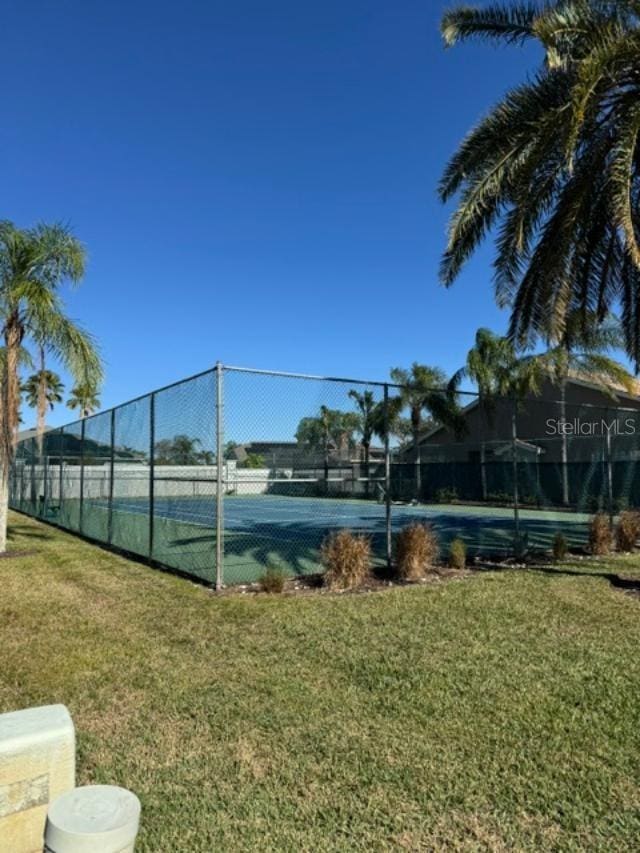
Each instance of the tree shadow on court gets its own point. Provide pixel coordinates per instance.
(251, 546)
(249, 551)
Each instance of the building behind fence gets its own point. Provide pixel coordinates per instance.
(232, 471)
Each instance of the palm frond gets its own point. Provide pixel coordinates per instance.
(75, 348)
(622, 168)
(503, 22)
(513, 125)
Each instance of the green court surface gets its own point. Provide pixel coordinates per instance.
(270, 530)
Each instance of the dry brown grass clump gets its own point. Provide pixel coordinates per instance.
(457, 555)
(346, 558)
(560, 547)
(272, 580)
(628, 530)
(600, 535)
(417, 551)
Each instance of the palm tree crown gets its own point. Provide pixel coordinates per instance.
(48, 380)
(84, 399)
(424, 390)
(583, 349)
(554, 169)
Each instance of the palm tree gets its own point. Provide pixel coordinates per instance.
(330, 431)
(582, 350)
(425, 390)
(182, 450)
(42, 390)
(366, 405)
(34, 263)
(497, 371)
(552, 171)
(58, 336)
(84, 399)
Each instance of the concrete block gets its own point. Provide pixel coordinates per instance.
(37, 764)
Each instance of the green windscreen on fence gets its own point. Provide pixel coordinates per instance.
(183, 514)
(231, 472)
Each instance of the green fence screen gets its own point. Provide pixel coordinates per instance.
(233, 471)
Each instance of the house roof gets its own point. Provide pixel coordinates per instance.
(620, 392)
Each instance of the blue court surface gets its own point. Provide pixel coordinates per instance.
(285, 531)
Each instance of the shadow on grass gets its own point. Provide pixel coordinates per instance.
(627, 584)
(23, 530)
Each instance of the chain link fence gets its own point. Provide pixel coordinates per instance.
(233, 471)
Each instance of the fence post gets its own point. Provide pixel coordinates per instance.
(82, 429)
(152, 443)
(33, 499)
(111, 471)
(518, 544)
(45, 478)
(61, 460)
(387, 477)
(609, 467)
(219, 477)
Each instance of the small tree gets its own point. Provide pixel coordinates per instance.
(182, 450)
(253, 460)
(330, 432)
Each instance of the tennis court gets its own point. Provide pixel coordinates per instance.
(273, 462)
(285, 531)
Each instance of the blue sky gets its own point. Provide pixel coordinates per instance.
(255, 182)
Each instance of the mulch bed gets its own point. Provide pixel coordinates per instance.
(313, 584)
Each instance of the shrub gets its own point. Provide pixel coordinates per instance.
(600, 538)
(346, 558)
(628, 530)
(417, 551)
(560, 547)
(457, 554)
(272, 580)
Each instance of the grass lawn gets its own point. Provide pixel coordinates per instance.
(498, 712)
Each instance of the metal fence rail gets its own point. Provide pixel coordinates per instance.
(234, 470)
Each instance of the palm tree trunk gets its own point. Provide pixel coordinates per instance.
(4, 506)
(8, 417)
(564, 452)
(42, 403)
(483, 470)
(418, 471)
(366, 447)
(326, 467)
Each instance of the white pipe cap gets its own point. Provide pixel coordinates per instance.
(93, 819)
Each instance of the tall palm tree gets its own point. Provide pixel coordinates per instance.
(366, 405)
(498, 372)
(582, 350)
(553, 170)
(34, 263)
(42, 391)
(424, 390)
(72, 346)
(84, 399)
